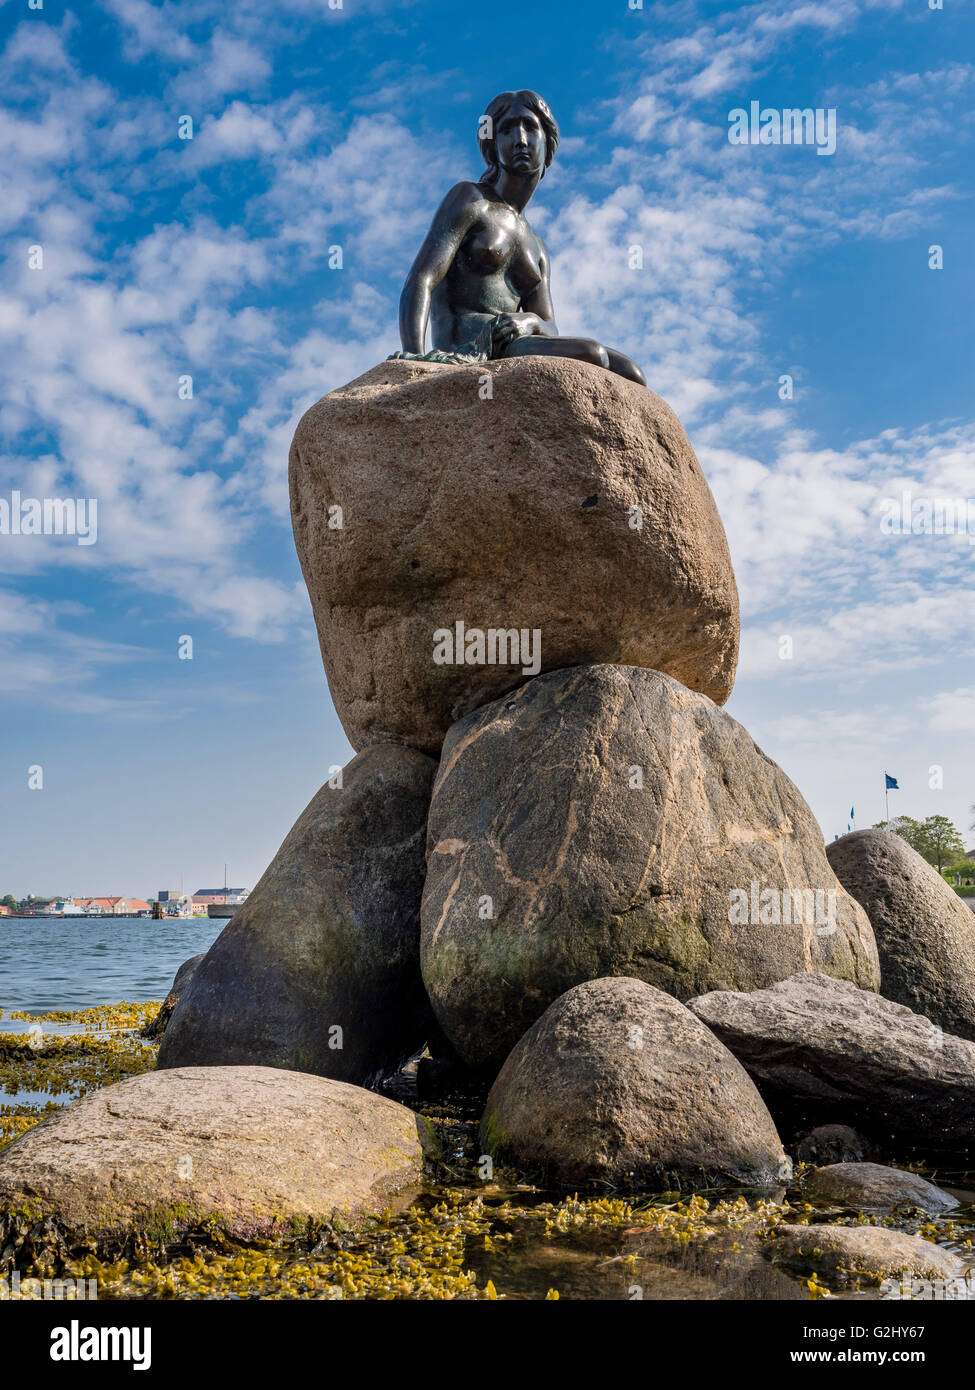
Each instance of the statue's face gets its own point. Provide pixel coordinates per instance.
(520, 141)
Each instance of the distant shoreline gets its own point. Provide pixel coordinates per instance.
(101, 917)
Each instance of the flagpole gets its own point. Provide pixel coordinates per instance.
(886, 800)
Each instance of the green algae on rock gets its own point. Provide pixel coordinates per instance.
(846, 1255)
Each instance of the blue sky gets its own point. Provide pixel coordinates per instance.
(316, 126)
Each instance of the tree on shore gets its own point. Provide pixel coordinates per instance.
(936, 838)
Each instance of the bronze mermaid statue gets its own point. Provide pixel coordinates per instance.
(481, 277)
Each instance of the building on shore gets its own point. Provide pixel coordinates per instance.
(59, 907)
(204, 898)
(91, 907)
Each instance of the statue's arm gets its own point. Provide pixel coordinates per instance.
(452, 221)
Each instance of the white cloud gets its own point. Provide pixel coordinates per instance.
(952, 711)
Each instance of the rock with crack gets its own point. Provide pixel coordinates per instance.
(606, 820)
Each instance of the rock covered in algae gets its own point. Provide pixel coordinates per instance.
(619, 1083)
(184, 974)
(256, 1150)
(866, 1186)
(849, 1254)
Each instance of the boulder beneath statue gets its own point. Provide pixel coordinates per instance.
(606, 820)
(924, 930)
(821, 1050)
(619, 1085)
(319, 970)
(441, 512)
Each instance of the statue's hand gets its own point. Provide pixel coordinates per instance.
(508, 327)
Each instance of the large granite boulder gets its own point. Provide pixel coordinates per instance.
(569, 503)
(605, 820)
(257, 1151)
(822, 1050)
(319, 970)
(925, 933)
(619, 1084)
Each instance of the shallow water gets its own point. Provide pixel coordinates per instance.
(66, 963)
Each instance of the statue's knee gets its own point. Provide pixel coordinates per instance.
(595, 353)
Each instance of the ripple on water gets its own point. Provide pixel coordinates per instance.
(75, 963)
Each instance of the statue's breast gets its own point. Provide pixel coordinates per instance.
(489, 249)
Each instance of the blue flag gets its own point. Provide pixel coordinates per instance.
(891, 785)
(852, 814)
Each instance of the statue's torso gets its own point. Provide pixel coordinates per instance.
(496, 268)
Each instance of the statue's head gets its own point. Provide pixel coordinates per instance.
(520, 133)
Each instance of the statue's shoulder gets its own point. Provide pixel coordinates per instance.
(464, 195)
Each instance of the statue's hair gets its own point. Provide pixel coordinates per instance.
(499, 108)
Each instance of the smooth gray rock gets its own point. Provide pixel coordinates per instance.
(925, 933)
(325, 951)
(822, 1050)
(617, 1083)
(606, 820)
(864, 1186)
